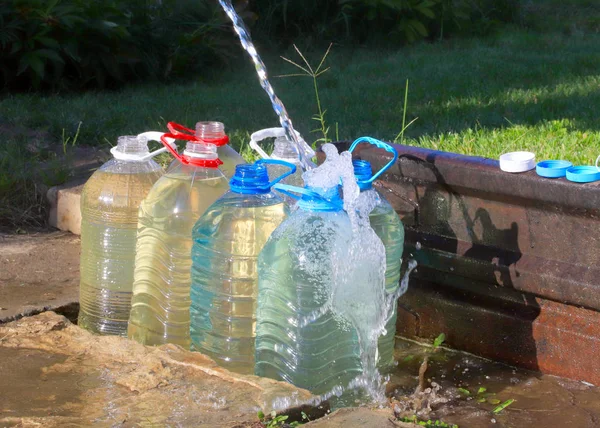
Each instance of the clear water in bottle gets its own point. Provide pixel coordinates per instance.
(299, 339)
(226, 243)
(160, 307)
(322, 303)
(109, 209)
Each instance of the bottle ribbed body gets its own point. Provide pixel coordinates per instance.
(161, 292)
(109, 209)
(388, 227)
(226, 243)
(298, 339)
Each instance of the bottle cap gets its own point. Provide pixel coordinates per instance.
(583, 174)
(517, 161)
(552, 168)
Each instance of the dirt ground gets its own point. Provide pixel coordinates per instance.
(38, 271)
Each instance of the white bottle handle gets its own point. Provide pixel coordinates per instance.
(274, 133)
(150, 136)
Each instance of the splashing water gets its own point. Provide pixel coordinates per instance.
(358, 294)
(303, 150)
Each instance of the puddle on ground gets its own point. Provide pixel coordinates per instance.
(539, 400)
(55, 374)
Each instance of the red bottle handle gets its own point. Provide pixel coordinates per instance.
(188, 160)
(177, 129)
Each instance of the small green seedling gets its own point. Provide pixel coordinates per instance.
(503, 406)
(464, 391)
(428, 424)
(482, 396)
(277, 421)
(439, 341)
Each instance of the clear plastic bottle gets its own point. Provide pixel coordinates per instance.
(226, 243)
(160, 307)
(109, 209)
(283, 149)
(387, 225)
(213, 133)
(298, 337)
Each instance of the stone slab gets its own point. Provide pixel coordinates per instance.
(65, 206)
(57, 374)
(359, 417)
(37, 272)
(64, 199)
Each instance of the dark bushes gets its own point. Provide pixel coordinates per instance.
(78, 44)
(380, 21)
(103, 43)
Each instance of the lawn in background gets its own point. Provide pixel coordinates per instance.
(516, 90)
(519, 89)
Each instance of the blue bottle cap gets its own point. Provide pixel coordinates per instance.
(553, 168)
(583, 174)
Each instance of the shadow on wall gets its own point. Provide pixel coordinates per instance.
(464, 285)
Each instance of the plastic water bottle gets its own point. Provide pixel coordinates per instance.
(387, 225)
(227, 241)
(283, 149)
(160, 306)
(298, 337)
(109, 215)
(213, 133)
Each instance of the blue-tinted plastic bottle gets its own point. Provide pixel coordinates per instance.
(298, 339)
(227, 240)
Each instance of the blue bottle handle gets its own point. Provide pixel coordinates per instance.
(292, 190)
(381, 145)
(291, 166)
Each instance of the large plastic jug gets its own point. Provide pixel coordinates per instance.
(160, 306)
(109, 214)
(214, 133)
(298, 338)
(227, 241)
(387, 225)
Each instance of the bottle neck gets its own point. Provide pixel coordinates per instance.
(326, 200)
(130, 148)
(212, 132)
(284, 150)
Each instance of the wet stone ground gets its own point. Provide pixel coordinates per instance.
(56, 374)
(52, 373)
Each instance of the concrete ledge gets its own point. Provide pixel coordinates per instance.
(508, 263)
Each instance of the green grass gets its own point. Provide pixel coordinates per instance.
(515, 90)
(518, 90)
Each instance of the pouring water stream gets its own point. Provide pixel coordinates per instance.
(370, 320)
(304, 151)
